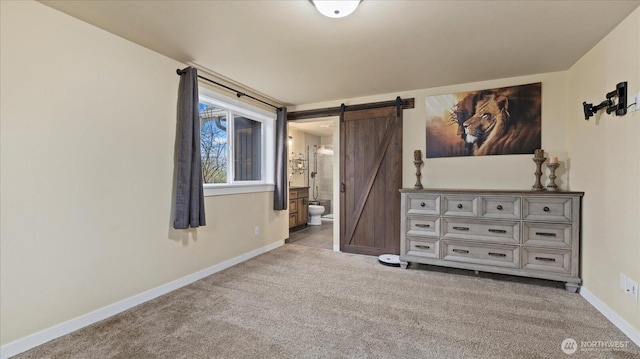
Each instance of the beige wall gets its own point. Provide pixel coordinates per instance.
(298, 146)
(87, 139)
(605, 163)
(487, 172)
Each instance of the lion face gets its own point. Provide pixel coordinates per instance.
(489, 118)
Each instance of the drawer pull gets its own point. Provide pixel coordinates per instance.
(423, 225)
(545, 259)
(497, 230)
(459, 206)
(494, 254)
(422, 204)
(499, 208)
(545, 234)
(546, 209)
(461, 228)
(422, 246)
(463, 251)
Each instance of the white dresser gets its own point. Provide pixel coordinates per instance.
(523, 233)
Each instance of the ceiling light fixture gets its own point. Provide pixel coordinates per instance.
(336, 8)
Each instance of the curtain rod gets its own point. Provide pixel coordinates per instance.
(238, 93)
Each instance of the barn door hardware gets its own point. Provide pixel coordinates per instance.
(619, 108)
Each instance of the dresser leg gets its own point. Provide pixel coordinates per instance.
(572, 287)
(404, 265)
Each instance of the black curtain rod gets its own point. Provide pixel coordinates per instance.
(238, 93)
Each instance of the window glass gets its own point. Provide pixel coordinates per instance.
(247, 149)
(214, 149)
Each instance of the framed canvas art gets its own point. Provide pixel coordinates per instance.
(499, 121)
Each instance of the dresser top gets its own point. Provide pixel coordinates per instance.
(492, 191)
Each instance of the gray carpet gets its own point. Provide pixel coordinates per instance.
(302, 302)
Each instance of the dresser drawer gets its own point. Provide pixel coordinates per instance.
(500, 207)
(547, 209)
(459, 205)
(546, 235)
(422, 247)
(488, 254)
(423, 226)
(293, 194)
(479, 230)
(546, 260)
(422, 204)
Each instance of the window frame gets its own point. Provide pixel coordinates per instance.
(235, 108)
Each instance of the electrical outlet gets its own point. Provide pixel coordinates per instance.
(257, 230)
(635, 100)
(632, 289)
(623, 282)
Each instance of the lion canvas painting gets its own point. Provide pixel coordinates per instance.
(500, 121)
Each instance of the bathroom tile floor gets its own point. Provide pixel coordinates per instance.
(313, 236)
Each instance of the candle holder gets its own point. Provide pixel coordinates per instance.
(552, 186)
(538, 185)
(417, 161)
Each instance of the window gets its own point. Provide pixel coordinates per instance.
(236, 147)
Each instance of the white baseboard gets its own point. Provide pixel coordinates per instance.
(617, 320)
(336, 248)
(33, 340)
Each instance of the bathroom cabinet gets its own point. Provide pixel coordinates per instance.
(298, 206)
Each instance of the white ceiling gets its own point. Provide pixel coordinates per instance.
(288, 51)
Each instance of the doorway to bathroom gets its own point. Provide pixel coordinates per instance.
(311, 160)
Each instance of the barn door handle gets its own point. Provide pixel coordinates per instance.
(342, 187)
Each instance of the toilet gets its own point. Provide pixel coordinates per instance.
(315, 211)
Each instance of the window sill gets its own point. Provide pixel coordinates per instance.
(222, 190)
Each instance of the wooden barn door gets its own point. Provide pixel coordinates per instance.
(370, 175)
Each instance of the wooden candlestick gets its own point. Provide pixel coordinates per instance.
(538, 185)
(418, 174)
(417, 161)
(552, 186)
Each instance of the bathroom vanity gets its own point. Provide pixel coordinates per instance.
(298, 206)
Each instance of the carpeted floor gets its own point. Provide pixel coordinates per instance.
(303, 302)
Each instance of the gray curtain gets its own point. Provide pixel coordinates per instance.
(280, 192)
(189, 206)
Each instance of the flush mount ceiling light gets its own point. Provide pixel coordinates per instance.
(336, 8)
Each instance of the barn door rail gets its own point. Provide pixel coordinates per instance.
(339, 110)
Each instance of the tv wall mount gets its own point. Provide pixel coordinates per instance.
(620, 108)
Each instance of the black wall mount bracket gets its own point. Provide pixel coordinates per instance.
(620, 108)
